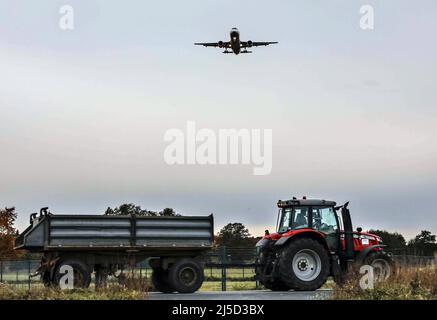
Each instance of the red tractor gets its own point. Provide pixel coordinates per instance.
(315, 240)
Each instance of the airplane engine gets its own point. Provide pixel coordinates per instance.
(249, 43)
(220, 44)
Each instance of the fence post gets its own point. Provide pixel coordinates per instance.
(257, 284)
(223, 262)
(28, 274)
(1, 271)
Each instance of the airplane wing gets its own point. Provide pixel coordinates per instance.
(220, 44)
(248, 44)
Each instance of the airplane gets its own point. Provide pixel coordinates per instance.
(235, 44)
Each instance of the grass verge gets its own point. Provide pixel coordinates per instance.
(407, 283)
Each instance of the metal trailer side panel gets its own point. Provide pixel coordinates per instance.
(117, 232)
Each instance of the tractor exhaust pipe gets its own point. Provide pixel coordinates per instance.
(348, 232)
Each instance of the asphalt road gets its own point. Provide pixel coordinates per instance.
(244, 295)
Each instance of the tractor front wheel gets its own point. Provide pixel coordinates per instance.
(304, 265)
(383, 265)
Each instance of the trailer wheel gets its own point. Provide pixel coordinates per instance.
(160, 281)
(81, 273)
(186, 276)
(101, 277)
(304, 265)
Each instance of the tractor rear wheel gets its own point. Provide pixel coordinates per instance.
(276, 285)
(260, 270)
(304, 265)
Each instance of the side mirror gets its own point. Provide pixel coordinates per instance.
(359, 229)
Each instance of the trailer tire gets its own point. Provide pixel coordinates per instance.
(304, 265)
(186, 276)
(160, 281)
(82, 273)
(101, 277)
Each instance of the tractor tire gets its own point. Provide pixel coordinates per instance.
(160, 281)
(304, 265)
(276, 285)
(185, 276)
(81, 274)
(260, 265)
(383, 265)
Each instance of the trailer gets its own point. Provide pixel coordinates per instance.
(106, 245)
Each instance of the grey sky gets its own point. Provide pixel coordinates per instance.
(353, 112)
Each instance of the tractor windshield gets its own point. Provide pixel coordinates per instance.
(293, 218)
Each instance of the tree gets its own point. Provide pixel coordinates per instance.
(130, 208)
(168, 212)
(7, 232)
(235, 235)
(424, 243)
(393, 240)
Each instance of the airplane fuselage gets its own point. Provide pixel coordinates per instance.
(235, 40)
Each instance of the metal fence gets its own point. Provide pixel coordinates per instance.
(225, 269)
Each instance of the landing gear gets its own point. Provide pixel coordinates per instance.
(226, 51)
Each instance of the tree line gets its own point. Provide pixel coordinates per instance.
(233, 234)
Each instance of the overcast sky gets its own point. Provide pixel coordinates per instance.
(354, 113)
